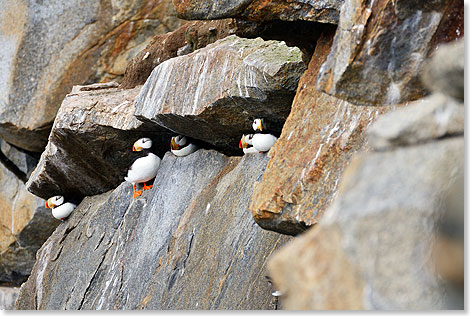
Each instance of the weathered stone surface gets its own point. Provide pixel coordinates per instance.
(8, 297)
(90, 145)
(24, 221)
(325, 11)
(188, 243)
(444, 73)
(317, 141)
(373, 248)
(380, 47)
(215, 93)
(188, 38)
(89, 41)
(424, 120)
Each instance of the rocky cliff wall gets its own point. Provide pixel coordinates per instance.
(373, 186)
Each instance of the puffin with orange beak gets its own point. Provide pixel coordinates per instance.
(182, 146)
(246, 142)
(60, 210)
(144, 168)
(262, 140)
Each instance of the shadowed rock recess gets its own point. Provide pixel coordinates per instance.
(215, 93)
(188, 243)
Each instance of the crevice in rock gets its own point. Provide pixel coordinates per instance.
(7, 163)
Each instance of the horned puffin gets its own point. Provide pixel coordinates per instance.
(60, 210)
(182, 146)
(246, 142)
(143, 168)
(263, 140)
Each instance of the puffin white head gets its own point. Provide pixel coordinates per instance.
(246, 140)
(54, 201)
(178, 141)
(258, 124)
(143, 143)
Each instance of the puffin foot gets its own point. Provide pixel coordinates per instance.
(147, 187)
(137, 192)
(63, 219)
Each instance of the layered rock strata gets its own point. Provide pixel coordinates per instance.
(215, 93)
(90, 145)
(380, 48)
(188, 243)
(325, 11)
(317, 141)
(41, 61)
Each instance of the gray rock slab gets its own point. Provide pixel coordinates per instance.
(422, 121)
(90, 145)
(214, 93)
(188, 243)
(8, 297)
(374, 246)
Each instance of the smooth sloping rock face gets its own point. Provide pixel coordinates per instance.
(325, 11)
(426, 119)
(444, 73)
(90, 145)
(188, 243)
(24, 221)
(215, 93)
(381, 232)
(317, 141)
(380, 47)
(88, 42)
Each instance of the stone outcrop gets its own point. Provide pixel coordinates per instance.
(90, 145)
(373, 248)
(325, 11)
(393, 239)
(215, 93)
(380, 48)
(24, 221)
(317, 141)
(186, 39)
(185, 244)
(88, 42)
(424, 120)
(444, 72)
(8, 297)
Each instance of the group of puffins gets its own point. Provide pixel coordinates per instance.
(260, 142)
(145, 167)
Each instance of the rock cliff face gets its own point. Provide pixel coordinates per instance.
(215, 93)
(367, 180)
(88, 42)
(188, 243)
(383, 238)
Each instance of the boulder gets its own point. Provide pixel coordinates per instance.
(8, 297)
(214, 93)
(317, 141)
(380, 48)
(374, 247)
(188, 243)
(90, 145)
(24, 221)
(88, 42)
(325, 11)
(424, 120)
(444, 72)
(186, 39)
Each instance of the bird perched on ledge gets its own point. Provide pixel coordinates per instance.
(60, 210)
(143, 168)
(246, 142)
(263, 140)
(182, 146)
